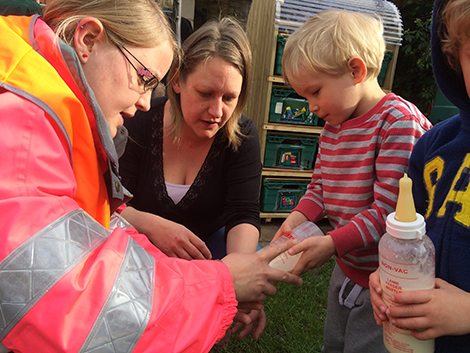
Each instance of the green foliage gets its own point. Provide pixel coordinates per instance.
(296, 316)
(414, 79)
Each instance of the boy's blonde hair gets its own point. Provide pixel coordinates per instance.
(454, 30)
(326, 42)
(139, 22)
(223, 39)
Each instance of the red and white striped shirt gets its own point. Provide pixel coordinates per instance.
(355, 179)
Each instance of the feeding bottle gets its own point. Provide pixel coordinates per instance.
(406, 262)
(285, 261)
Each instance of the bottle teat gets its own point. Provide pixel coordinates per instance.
(405, 211)
(405, 223)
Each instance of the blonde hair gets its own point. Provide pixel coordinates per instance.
(138, 22)
(223, 39)
(326, 42)
(454, 30)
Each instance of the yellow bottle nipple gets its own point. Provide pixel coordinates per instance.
(405, 211)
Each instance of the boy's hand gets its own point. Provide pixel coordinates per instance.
(437, 312)
(293, 220)
(378, 304)
(316, 251)
(251, 321)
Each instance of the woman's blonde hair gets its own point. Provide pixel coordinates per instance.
(223, 39)
(138, 22)
(326, 42)
(454, 30)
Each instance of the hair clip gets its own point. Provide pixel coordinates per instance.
(81, 27)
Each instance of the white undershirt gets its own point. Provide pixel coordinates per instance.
(176, 191)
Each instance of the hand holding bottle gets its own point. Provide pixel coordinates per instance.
(295, 259)
(252, 276)
(406, 263)
(315, 251)
(441, 311)
(376, 300)
(294, 219)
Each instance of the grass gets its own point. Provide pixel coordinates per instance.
(296, 316)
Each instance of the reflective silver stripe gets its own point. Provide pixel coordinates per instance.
(41, 261)
(118, 221)
(127, 311)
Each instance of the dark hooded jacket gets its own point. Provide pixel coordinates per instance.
(440, 169)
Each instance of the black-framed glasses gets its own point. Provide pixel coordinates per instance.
(148, 78)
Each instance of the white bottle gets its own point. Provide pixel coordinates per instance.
(285, 261)
(406, 262)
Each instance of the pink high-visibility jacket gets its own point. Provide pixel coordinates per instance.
(71, 281)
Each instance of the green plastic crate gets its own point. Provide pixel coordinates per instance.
(282, 195)
(295, 111)
(281, 43)
(277, 96)
(287, 108)
(387, 56)
(291, 151)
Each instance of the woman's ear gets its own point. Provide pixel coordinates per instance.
(88, 33)
(175, 83)
(357, 69)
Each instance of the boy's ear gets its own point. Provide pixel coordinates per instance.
(357, 69)
(89, 31)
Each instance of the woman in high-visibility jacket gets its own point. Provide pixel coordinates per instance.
(74, 277)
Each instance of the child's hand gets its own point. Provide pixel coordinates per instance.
(442, 311)
(292, 221)
(378, 304)
(316, 251)
(251, 321)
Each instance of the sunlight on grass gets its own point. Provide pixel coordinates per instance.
(295, 318)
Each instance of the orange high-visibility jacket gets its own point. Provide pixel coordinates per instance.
(69, 280)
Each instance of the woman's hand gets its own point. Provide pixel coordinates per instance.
(176, 240)
(253, 278)
(173, 239)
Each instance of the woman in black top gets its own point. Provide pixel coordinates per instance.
(193, 161)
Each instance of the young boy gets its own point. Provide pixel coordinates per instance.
(333, 61)
(439, 167)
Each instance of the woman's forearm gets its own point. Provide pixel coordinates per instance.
(242, 238)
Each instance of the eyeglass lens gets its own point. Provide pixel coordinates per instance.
(148, 78)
